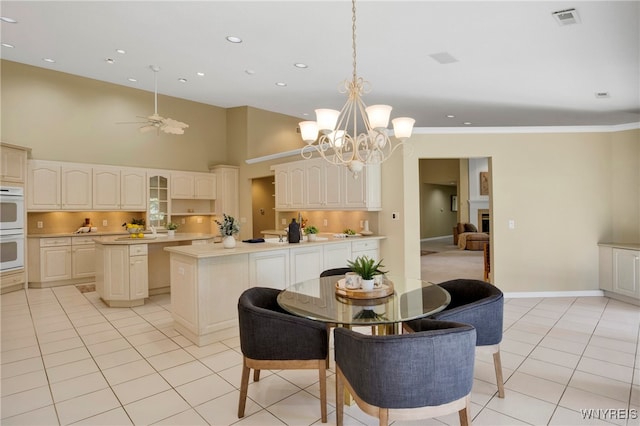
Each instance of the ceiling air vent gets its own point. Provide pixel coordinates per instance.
(566, 17)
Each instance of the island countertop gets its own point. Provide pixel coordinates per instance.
(151, 239)
(216, 250)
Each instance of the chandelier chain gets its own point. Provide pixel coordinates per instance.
(353, 37)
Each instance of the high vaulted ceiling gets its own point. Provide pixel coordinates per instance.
(515, 65)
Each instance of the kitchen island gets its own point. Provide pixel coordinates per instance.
(206, 281)
(129, 269)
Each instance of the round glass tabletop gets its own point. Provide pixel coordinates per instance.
(317, 299)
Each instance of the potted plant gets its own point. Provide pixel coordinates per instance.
(228, 228)
(367, 268)
(171, 228)
(311, 232)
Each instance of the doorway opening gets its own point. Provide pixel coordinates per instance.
(263, 202)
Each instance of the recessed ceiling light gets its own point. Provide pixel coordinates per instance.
(121, 51)
(602, 95)
(131, 79)
(11, 46)
(51, 61)
(300, 65)
(305, 114)
(8, 20)
(443, 58)
(200, 74)
(233, 39)
(566, 17)
(110, 61)
(250, 72)
(467, 123)
(281, 84)
(182, 80)
(451, 116)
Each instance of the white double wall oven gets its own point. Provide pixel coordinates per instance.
(11, 228)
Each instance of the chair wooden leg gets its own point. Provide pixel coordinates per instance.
(497, 363)
(256, 375)
(322, 375)
(244, 387)
(465, 416)
(383, 416)
(328, 342)
(339, 397)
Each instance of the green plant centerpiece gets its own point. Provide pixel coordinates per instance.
(171, 226)
(228, 228)
(366, 267)
(310, 231)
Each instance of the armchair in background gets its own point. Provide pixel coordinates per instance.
(467, 237)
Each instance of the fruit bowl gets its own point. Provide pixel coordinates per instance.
(135, 230)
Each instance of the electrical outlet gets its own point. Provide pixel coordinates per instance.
(284, 221)
(183, 221)
(325, 222)
(512, 224)
(199, 220)
(105, 223)
(395, 215)
(40, 224)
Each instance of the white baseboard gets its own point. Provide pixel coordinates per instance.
(436, 238)
(531, 294)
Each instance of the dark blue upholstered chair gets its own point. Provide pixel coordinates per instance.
(335, 271)
(481, 305)
(271, 338)
(407, 376)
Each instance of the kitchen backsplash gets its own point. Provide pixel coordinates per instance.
(336, 221)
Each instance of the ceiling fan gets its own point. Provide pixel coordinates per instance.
(156, 122)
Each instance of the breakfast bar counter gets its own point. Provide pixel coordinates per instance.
(207, 280)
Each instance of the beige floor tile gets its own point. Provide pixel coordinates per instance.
(65, 357)
(565, 417)
(601, 385)
(536, 387)
(205, 389)
(189, 417)
(23, 382)
(298, 409)
(109, 346)
(157, 407)
(45, 416)
(547, 371)
(71, 370)
(21, 367)
(223, 360)
(605, 369)
(140, 388)
(185, 373)
(125, 372)
(577, 399)
(86, 406)
(114, 359)
(114, 417)
(170, 359)
(23, 402)
(523, 407)
(157, 347)
(78, 386)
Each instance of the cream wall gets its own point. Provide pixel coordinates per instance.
(558, 190)
(69, 118)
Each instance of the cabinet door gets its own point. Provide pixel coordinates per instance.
(336, 255)
(76, 188)
(369, 248)
(55, 263)
(181, 185)
(159, 202)
(626, 272)
(306, 263)
(138, 277)
(354, 189)
(282, 188)
(116, 272)
(106, 188)
(333, 187)
(204, 186)
(269, 269)
(83, 261)
(13, 163)
(43, 187)
(314, 186)
(297, 185)
(226, 190)
(133, 190)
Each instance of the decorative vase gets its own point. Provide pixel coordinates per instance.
(311, 237)
(229, 242)
(171, 232)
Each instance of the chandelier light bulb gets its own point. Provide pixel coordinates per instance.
(403, 127)
(379, 116)
(309, 131)
(337, 138)
(327, 119)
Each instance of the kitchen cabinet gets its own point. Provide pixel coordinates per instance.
(11, 281)
(44, 185)
(159, 204)
(370, 248)
(307, 262)
(336, 255)
(54, 261)
(13, 164)
(119, 189)
(619, 271)
(76, 188)
(199, 186)
(319, 185)
(122, 274)
(227, 200)
(269, 269)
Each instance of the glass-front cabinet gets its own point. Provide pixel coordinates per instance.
(158, 206)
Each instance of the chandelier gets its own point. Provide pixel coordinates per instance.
(330, 136)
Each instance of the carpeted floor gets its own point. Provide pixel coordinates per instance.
(447, 262)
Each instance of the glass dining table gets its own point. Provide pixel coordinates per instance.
(317, 299)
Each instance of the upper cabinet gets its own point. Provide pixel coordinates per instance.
(13, 164)
(193, 185)
(80, 187)
(227, 200)
(53, 186)
(319, 185)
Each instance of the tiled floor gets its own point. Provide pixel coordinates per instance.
(67, 358)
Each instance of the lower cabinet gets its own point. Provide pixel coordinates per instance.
(122, 274)
(61, 261)
(306, 263)
(620, 272)
(269, 269)
(336, 255)
(370, 248)
(11, 281)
